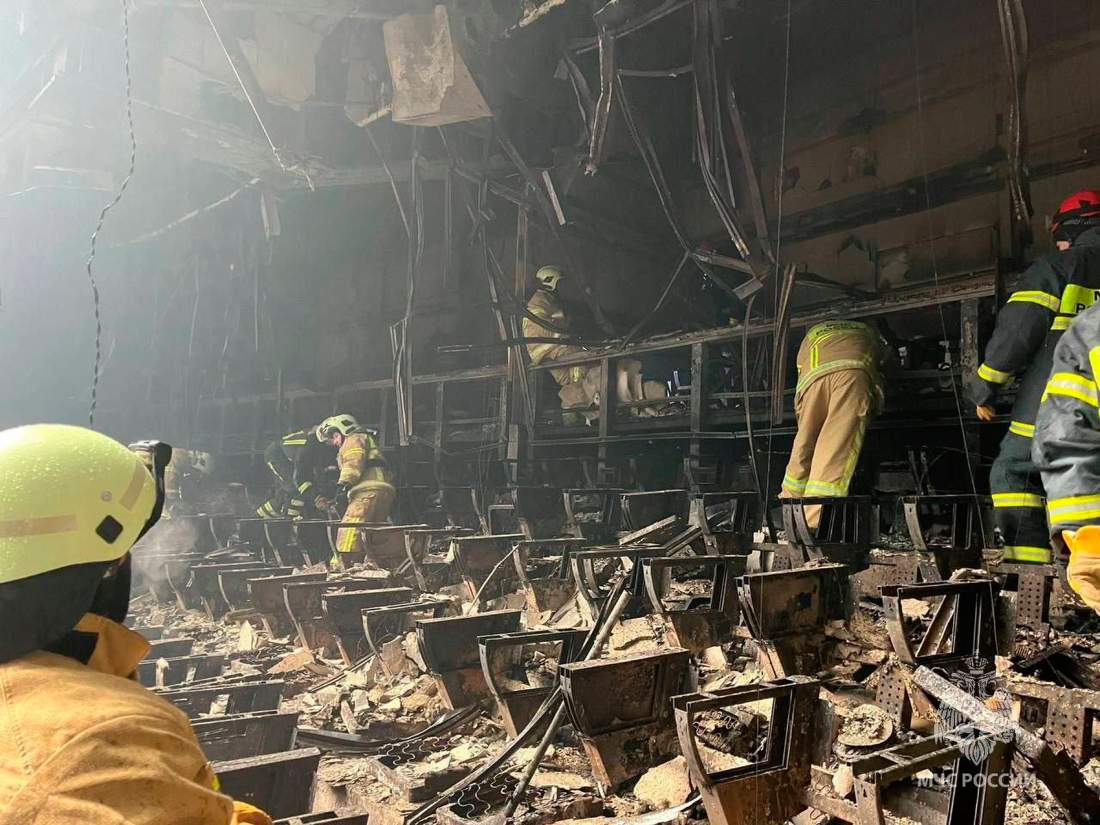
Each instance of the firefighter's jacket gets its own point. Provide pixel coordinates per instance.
(361, 462)
(1066, 446)
(84, 744)
(544, 305)
(1051, 293)
(303, 458)
(833, 346)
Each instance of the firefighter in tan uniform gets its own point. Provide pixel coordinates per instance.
(83, 741)
(579, 384)
(839, 390)
(364, 482)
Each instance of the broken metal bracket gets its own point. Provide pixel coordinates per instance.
(786, 613)
(621, 710)
(382, 625)
(962, 627)
(700, 619)
(948, 525)
(728, 520)
(1055, 768)
(280, 782)
(245, 735)
(449, 648)
(267, 599)
(343, 612)
(770, 789)
(848, 527)
(476, 557)
(503, 654)
(1066, 715)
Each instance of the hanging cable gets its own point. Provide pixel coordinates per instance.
(761, 492)
(111, 205)
(291, 168)
(778, 246)
(932, 245)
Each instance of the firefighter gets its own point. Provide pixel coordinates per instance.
(1051, 292)
(184, 478)
(296, 460)
(1066, 451)
(84, 741)
(839, 390)
(579, 384)
(364, 490)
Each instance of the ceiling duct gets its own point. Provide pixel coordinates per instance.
(431, 84)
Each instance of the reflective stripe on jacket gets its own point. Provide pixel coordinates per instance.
(1053, 290)
(361, 461)
(309, 456)
(543, 305)
(832, 346)
(1066, 446)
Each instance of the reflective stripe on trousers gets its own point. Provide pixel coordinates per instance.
(1018, 508)
(833, 413)
(367, 504)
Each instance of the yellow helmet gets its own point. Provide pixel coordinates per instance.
(71, 496)
(548, 277)
(343, 423)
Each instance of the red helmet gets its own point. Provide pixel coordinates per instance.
(1080, 209)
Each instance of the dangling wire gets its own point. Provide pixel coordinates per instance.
(932, 248)
(778, 234)
(103, 212)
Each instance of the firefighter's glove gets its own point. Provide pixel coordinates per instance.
(1083, 572)
(342, 496)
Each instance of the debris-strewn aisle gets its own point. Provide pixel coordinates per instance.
(752, 687)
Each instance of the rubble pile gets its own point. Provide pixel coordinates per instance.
(767, 682)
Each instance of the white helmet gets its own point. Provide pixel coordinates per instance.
(343, 423)
(548, 277)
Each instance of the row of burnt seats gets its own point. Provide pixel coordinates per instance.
(249, 741)
(248, 737)
(369, 609)
(328, 612)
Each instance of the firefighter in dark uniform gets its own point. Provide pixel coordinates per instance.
(1051, 293)
(297, 461)
(1066, 450)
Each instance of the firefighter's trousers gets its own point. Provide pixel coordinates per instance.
(832, 414)
(368, 503)
(1018, 508)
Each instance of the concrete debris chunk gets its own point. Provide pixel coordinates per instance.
(295, 661)
(347, 716)
(248, 638)
(393, 657)
(562, 779)
(666, 785)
